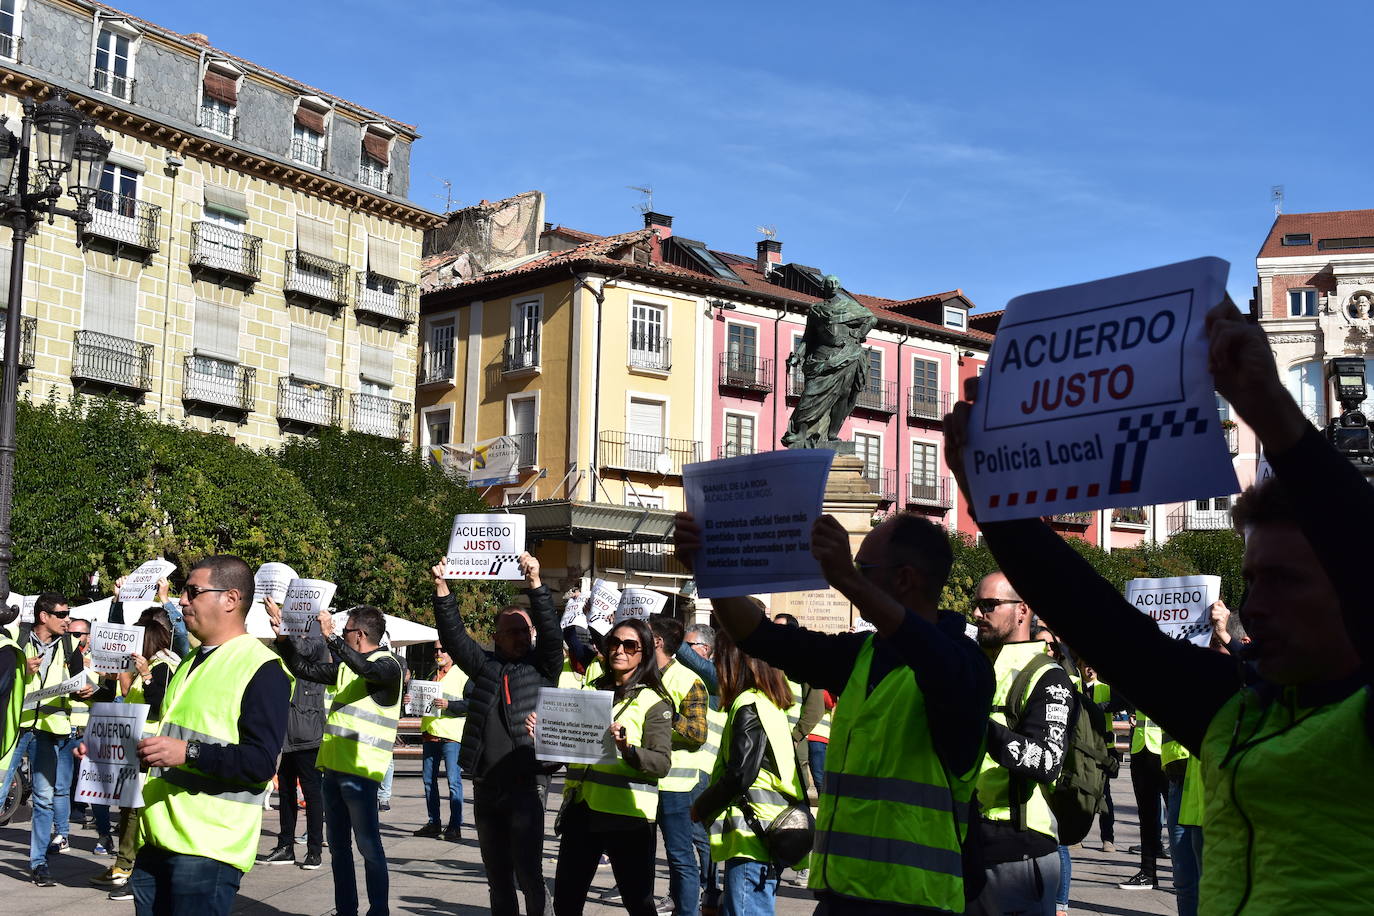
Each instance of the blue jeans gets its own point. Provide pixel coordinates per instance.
(435, 753)
(815, 752)
(22, 747)
(750, 889)
(384, 790)
(43, 770)
(175, 884)
(350, 812)
(62, 787)
(1061, 899)
(1185, 849)
(679, 846)
(709, 882)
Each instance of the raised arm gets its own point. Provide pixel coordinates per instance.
(461, 647)
(548, 646)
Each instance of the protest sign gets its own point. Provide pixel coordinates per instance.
(1181, 605)
(422, 694)
(574, 612)
(1098, 396)
(639, 604)
(141, 584)
(605, 598)
(70, 685)
(755, 514)
(485, 546)
(271, 580)
(26, 608)
(109, 771)
(573, 726)
(300, 612)
(113, 646)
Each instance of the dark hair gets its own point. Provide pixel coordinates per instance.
(924, 546)
(646, 672)
(668, 630)
(155, 615)
(156, 638)
(47, 602)
(228, 571)
(738, 671)
(786, 620)
(1265, 503)
(370, 620)
(74, 622)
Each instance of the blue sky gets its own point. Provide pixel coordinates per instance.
(909, 147)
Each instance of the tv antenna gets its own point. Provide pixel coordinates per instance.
(646, 205)
(767, 230)
(447, 197)
(1276, 195)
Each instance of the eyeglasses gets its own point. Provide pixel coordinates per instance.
(990, 604)
(192, 592)
(631, 646)
(706, 644)
(58, 613)
(348, 630)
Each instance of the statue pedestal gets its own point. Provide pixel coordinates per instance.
(849, 498)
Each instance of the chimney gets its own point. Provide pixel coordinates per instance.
(769, 256)
(199, 38)
(664, 224)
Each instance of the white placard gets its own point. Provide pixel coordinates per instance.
(300, 612)
(26, 608)
(113, 646)
(271, 580)
(1181, 605)
(422, 695)
(70, 685)
(1098, 396)
(573, 726)
(756, 514)
(109, 771)
(639, 604)
(141, 584)
(605, 598)
(485, 546)
(574, 612)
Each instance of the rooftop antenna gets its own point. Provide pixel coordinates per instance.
(447, 197)
(1276, 195)
(767, 230)
(647, 204)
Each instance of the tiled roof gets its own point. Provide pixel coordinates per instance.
(1335, 224)
(576, 235)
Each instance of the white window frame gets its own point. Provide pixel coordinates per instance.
(645, 500)
(648, 365)
(956, 317)
(428, 350)
(528, 355)
(666, 403)
(447, 411)
(121, 28)
(870, 434)
(17, 33)
(931, 479)
(753, 418)
(511, 400)
(324, 110)
(1306, 290)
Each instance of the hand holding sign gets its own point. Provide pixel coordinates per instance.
(639, 604)
(486, 546)
(271, 580)
(142, 583)
(605, 598)
(305, 600)
(1181, 605)
(113, 646)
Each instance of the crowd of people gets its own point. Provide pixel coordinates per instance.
(938, 748)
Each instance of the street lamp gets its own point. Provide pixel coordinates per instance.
(56, 141)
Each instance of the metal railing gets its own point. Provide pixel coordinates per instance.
(11, 46)
(28, 332)
(436, 366)
(309, 403)
(879, 396)
(1186, 518)
(124, 220)
(651, 351)
(319, 278)
(378, 415)
(520, 353)
(311, 154)
(1131, 515)
(221, 122)
(115, 361)
(372, 177)
(216, 247)
(635, 452)
(927, 403)
(121, 87)
(1077, 519)
(882, 482)
(750, 373)
(930, 490)
(1232, 439)
(223, 384)
(528, 443)
(796, 382)
(734, 450)
(640, 558)
(386, 297)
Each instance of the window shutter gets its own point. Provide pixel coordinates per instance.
(522, 418)
(376, 365)
(216, 332)
(377, 146)
(111, 305)
(222, 87)
(308, 354)
(384, 257)
(225, 200)
(646, 418)
(310, 119)
(315, 236)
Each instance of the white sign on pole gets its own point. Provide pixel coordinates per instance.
(422, 696)
(271, 580)
(573, 726)
(605, 598)
(1181, 605)
(639, 604)
(756, 514)
(1098, 396)
(574, 612)
(113, 646)
(300, 612)
(141, 584)
(109, 771)
(70, 685)
(485, 546)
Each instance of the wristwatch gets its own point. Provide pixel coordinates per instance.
(192, 751)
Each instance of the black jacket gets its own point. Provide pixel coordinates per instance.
(748, 753)
(509, 689)
(305, 725)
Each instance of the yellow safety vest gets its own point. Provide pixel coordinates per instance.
(1101, 693)
(1192, 806)
(770, 794)
(703, 759)
(446, 724)
(1146, 736)
(822, 729)
(13, 707)
(684, 774)
(569, 679)
(135, 695)
(187, 810)
(994, 780)
(795, 710)
(359, 733)
(52, 715)
(617, 787)
(1171, 750)
(594, 670)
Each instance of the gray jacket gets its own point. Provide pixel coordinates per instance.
(305, 726)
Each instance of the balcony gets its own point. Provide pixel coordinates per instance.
(104, 360)
(652, 454)
(1187, 518)
(308, 404)
(796, 382)
(219, 122)
(436, 367)
(653, 558)
(28, 331)
(121, 87)
(226, 251)
(734, 450)
(927, 404)
(651, 352)
(520, 354)
(375, 178)
(121, 222)
(385, 299)
(378, 415)
(882, 483)
(1131, 515)
(1232, 439)
(931, 490)
(528, 443)
(746, 373)
(11, 47)
(307, 153)
(1072, 519)
(879, 396)
(315, 279)
(219, 384)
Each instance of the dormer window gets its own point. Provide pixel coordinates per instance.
(112, 70)
(9, 28)
(956, 318)
(1297, 238)
(219, 98)
(375, 168)
(309, 132)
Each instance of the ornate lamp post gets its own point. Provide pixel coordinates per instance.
(56, 141)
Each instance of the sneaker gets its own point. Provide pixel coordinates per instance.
(1108, 846)
(605, 861)
(312, 860)
(1161, 853)
(282, 855)
(42, 878)
(429, 830)
(799, 878)
(1140, 881)
(105, 846)
(114, 876)
(122, 893)
(383, 806)
(58, 844)
(454, 834)
(664, 906)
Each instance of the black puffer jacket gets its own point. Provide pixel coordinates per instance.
(496, 681)
(305, 726)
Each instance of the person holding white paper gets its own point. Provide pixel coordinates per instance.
(441, 735)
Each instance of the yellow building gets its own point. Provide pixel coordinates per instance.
(251, 264)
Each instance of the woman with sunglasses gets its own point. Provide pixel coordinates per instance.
(610, 807)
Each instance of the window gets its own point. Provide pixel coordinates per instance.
(925, 473)
(308, 135)
(438, 357)
(648, 345)
(645, 439)
(1223, 408)
(382, 291)
(869, 449)
(219, 98)
(739, 435)
(439, 426)
(925, 388)
(307, 356)
(1302, 303)
(956, 318)
(523, 424)
(9, 29)
(374, 169)
(215, 338)
(524, 344)
(110, 306)
(118, 191)
(742, 347)
(1298, 238)
(114, 63)
(644, 500)
(872, 398)
(1307, 383)
(1216, 504)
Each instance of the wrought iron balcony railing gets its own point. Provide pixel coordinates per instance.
(1186, 518)
(929, 490)
(654, 454)
(640, 558)
(309, 403)
(386, 298)
(28, 332)
(1131, 515)
(436, 366)
(227, 251)
(882, 482)
(1076, 519)
(734, 450)
(879, 396)
(220, 122)
(749, 373)
(11, 46)
(311, 154)
(121, 87)
(114, 361)
(927, 403)
(218, 383)
(378, 415)
(651, 351)
(315, 277)
(796, 382)
(372, 177)
(528, 444)
(520, 353)
(1232, 439)
(124, 220)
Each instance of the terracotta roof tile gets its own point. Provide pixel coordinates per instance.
(1335, 224)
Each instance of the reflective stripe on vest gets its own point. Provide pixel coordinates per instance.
(704, 757)
(52, 716)
(1146, 736)
(770, 794)
(568, 679)
(794, 711)
(13, 708)
(877, 840)
(444, 723)
(359, 733)
(618, 788)
(683, 774)
(994, 780)
(186, 810)
(822, 729)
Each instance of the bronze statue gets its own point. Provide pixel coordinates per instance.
(834, 365)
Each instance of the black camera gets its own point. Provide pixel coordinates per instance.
(1350, 433)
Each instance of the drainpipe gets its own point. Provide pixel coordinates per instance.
(580, 280)
(173, 169)
(778, 395)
